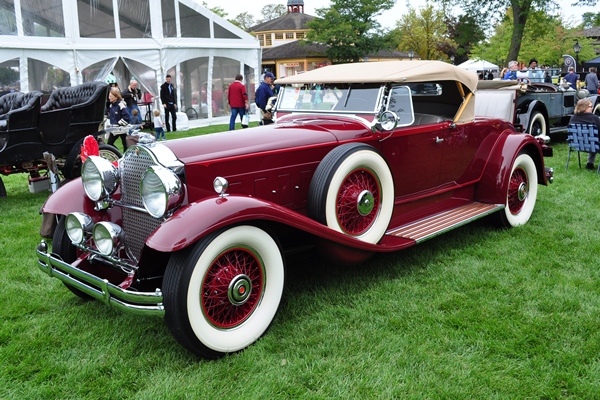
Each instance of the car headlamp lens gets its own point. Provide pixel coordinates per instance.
(99, 177)
(220, 185)
(161, 190)
(107, 237)
(77, 225)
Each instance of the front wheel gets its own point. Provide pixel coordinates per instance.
(521, 194)
(64, 249)
(537, 125)
(221, 294)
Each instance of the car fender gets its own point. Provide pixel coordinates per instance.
(198, 219)
(525, 109)
(72, 198)
(493, 185)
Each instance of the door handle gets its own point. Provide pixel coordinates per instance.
(439, 139)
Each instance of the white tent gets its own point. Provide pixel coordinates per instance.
(55, 43)
(479, 65)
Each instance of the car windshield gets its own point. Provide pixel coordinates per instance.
(327, 98)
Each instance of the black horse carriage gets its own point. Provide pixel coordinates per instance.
(28, 129)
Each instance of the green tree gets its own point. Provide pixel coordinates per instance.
(590, 20)
(545, 38)
(217, 10)
(243, 20)
(350, 29)
(465, 31)
(8, 76)
(425, 32)
(493, 11)
(271, 11)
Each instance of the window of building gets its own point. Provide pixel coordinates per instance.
(43, 18)
(261, 40)
(193, 24)
(299, 35)
(279, 36)
(289, 35)
(269, 41)
(134, 18)
(168, 18)
(96, 19)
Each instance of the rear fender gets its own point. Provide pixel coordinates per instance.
(527, 108)
(494, 183)
(198, 219)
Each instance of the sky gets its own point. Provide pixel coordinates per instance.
(388, 20)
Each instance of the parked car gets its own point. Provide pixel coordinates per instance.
(540, 108)
(199, 230)
(29, 128)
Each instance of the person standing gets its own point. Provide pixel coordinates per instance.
(583, 115)
(118, 114)
(572, 78)
(591, 81)
(168, 97)
(132, 95)
(159, 126)
(262, 96)
(238, 100)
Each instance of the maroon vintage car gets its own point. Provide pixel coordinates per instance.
(363, 158)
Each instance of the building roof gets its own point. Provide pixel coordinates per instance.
(303, 49)
(288, 22)
(295, 49)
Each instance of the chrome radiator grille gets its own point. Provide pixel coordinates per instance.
(137, 226)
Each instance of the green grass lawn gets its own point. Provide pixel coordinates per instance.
(478, 313)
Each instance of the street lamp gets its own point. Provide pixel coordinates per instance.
(411, 54)
(576, 49)
(452, 59)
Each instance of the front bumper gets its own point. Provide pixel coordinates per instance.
(140, 303)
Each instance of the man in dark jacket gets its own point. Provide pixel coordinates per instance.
(132, 95)
(168, 97)
(261, 98)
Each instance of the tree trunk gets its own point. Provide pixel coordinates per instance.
(520, 14)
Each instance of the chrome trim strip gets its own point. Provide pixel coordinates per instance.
(139, 303)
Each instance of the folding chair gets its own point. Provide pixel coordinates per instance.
(583, 137)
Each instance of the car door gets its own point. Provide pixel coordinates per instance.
(412, 152)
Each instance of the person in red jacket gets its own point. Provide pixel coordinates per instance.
(238, 101)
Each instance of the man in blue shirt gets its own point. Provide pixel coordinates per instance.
(513, 66)
(572, 78)
(261, 98)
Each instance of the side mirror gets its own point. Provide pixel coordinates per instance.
(385, 121)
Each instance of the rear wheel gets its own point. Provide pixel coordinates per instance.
(72, 168)
(222, 293)
(521, 194)
(352, 191)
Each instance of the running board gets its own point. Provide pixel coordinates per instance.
(430, 227)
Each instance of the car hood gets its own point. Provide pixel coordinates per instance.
(291, 133)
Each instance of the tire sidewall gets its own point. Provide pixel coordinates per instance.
(241, 336)
(368, 159)
(538, 117)
(525, 162)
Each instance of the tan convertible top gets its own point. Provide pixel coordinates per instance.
(386, 71)
(397, 72)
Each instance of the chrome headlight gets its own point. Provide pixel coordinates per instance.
(78, 226)
(220, 185)
(161, 190)
(99, 177)
(107, 237)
